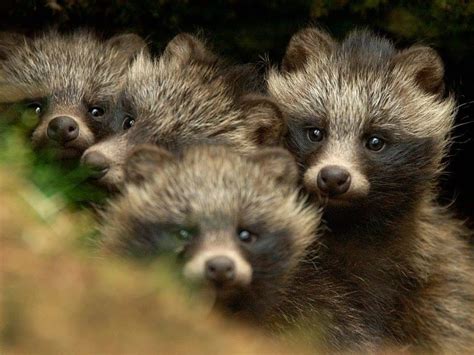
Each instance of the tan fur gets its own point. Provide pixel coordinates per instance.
(226, 181)
(69, 74)
(187, 96)
(194, 269)
(217, 191)
(404, 257)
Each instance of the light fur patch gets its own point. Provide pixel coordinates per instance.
(346, 159)
(196, 267)
(115, 150)
(85, 139)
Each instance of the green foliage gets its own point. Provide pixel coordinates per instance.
(64, 182)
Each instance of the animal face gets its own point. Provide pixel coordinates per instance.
(180, 100)
(235, 223)
(368, 123)
(70, 82)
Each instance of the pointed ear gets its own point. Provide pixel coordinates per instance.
(265, 120)
(279, 164)
(424, 66)
(185, 47)
(128, 44)
(8, 41)
(144, 161)
(306, 43)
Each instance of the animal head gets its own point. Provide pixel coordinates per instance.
(235, 222)
(70, 82)
(187, 96)
(368, 123)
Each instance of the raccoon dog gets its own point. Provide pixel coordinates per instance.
(370, 126)
(69, 81)
(187, 96)
(239, 224)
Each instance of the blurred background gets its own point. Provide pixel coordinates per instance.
(251, 30)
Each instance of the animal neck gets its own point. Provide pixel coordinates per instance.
(374, 224)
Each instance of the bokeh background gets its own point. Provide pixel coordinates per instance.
(252, 30)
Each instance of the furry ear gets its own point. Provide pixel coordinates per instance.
(128, 44)
(279, 164)
(305, 43)
(265, 120)
(8, 41)
(143, 161)
(185, 47)
(425, 66)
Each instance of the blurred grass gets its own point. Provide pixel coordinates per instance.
(64, 182)
(57, 299)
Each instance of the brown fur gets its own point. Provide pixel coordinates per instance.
(68, 75)
(404, 257)
(188, 96)
(214, 191)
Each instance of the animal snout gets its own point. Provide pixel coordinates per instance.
(63, 129)
(333, 180)
(97, 163)
(220, 270)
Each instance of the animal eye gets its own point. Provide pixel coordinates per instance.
(96, 112)
(184, 234)
(375, 143)
(36, 107)
(128, 122)
(315, 134)
(246, 237)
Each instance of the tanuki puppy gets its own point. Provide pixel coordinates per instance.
(70, 81)
(370, 126)
(186, 96)
(238, 224)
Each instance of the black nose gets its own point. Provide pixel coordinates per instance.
(97, 163)
(220, 269)
(334, 180)
(63, 129)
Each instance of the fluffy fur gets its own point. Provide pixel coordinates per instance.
(215, 193)
(189, 95)
(404, 257)
(66, 75)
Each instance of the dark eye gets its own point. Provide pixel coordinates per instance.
(246, 237)
(96, 112)
(36, 107)
(184, 234)
(375, 143)
(315, 134)
(128, 122)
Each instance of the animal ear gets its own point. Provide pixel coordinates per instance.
(144, 161)
(265, 121)
(185, 47)
(424, 66)
(307, 42)
(8, 41)
(279, 164)
(128, 44)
